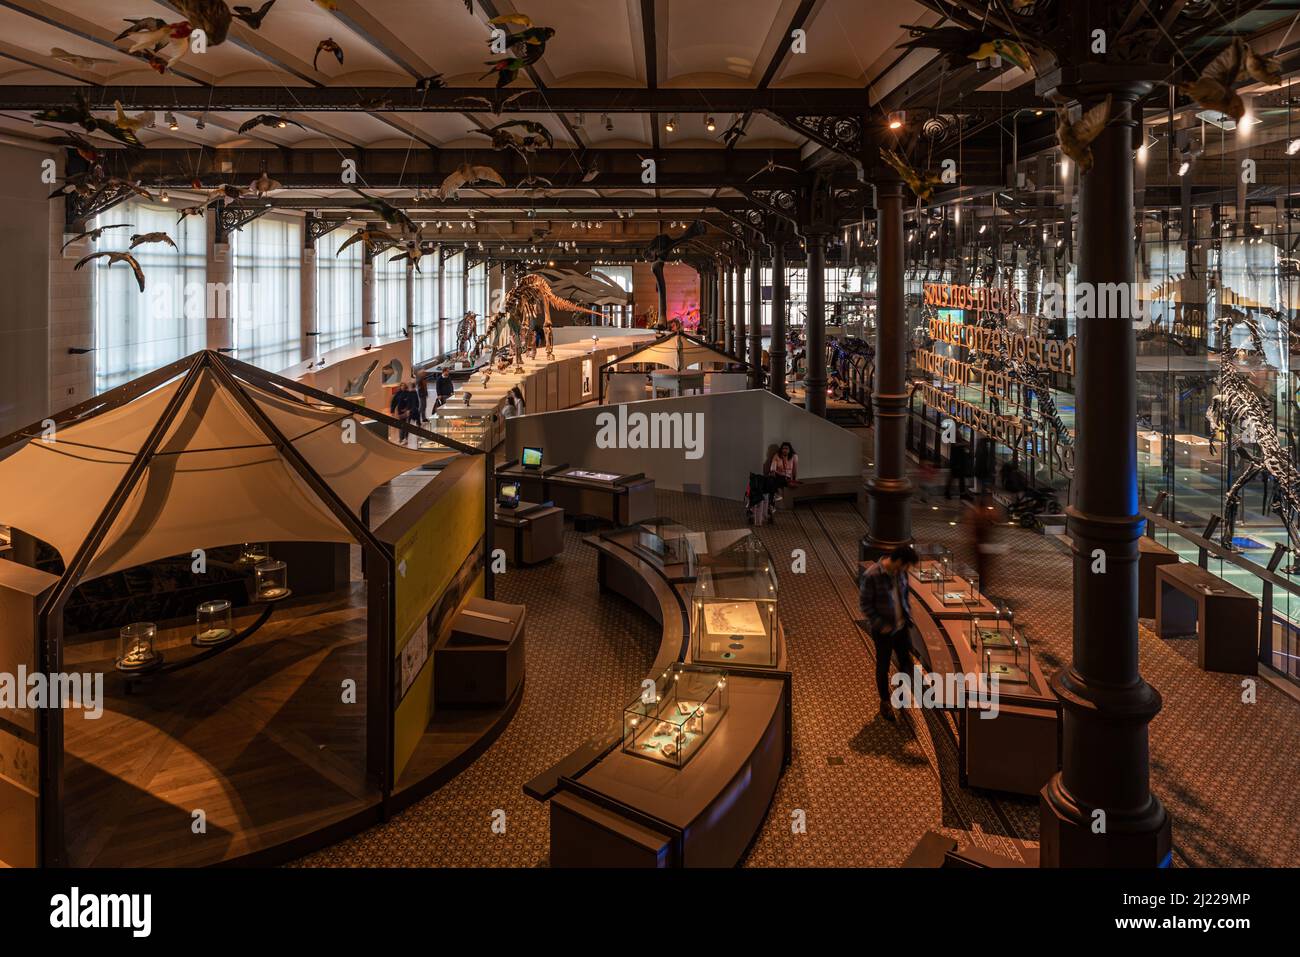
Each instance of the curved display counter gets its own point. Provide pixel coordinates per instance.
(613, 806)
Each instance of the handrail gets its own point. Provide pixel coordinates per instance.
(1259, 571)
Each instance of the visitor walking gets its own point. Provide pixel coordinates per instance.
(884, 600)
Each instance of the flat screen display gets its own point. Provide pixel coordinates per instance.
(532, 458)
(508, 494)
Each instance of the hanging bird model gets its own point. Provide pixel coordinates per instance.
(253, 17)
(79, 114)
(94, 234)
(466, 174)
(922, 184)
(141, 239)
(328, 45)
(116, 258)
(272, 120)
(960, 45)
(433, 81)
(140, 25)
(76, 59)
(388, 212)
(734, 132)
(131, 123)
(376, 236)
(263, 185)
(1213, 89)
(210, 16)
(1076, 138)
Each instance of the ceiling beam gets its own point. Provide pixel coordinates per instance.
(544, 209)
(650, 42)
(270, 99)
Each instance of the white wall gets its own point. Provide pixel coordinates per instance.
(740, 429)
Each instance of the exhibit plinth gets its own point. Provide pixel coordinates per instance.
(480, 662)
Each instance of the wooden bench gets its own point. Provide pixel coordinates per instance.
(839, 486)
(1225, 619)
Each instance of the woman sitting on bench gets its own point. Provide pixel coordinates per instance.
(782, 471)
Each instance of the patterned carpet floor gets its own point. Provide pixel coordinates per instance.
(868, 789)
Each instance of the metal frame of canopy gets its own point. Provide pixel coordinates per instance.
(606, 367)
(229, 372)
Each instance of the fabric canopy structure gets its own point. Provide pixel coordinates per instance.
(218, 475)
(677, 351)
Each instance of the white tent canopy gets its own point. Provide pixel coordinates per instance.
(677, 351)
(216, 478)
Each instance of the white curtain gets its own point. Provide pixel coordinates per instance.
(268, 262)
(478, 289)
(338, 291)
(425, 342)
(453, 290)
(390, 294)
(136, 332)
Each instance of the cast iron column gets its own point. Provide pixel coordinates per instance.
(738, 319)
(776, 352)
(720, 307)
(755, 320)
(889, 493)
(1099, 809)
(728, 308)
(814, 380)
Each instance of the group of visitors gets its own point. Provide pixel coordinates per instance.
(410, 401)
(514, 404)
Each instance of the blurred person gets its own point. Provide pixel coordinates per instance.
(979, 519)
(959, 466)
(885, 602)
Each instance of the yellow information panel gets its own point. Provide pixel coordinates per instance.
(438, 565)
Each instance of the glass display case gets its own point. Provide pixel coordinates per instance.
(213, 623)
(253, 553)
(934, 563)
(1004, 654)
(272, 581)
(993, 630)
(135, 647)
(672, 720)
(664, 543)
(733, 602)
(958, 585)
(476, 427)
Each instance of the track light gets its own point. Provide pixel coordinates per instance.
(671, 123)
(170, 120)
(710, 124)
(281, 124)
(609, 124)
(897, 119)
(163, 197)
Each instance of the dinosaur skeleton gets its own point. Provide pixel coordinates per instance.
(1237, 406)
(1239, 413)
(530, 297)
(465, 332)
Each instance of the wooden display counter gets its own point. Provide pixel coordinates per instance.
(614, 809)
(529, 533)
(610, 497)
(1225, 619)
(1018, 750)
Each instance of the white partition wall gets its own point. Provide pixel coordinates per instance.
(715, 440)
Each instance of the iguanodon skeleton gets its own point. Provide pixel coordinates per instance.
(529, 297)
(1236, 406)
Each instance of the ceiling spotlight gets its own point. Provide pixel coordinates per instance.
(163, 197)
(581, 119)
(200, 124)
(671, 123)
(710, 124)
(281, 124)
(170, 120)
(609, 124)
(897, 119)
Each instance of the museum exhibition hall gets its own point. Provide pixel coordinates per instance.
(560, 434)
